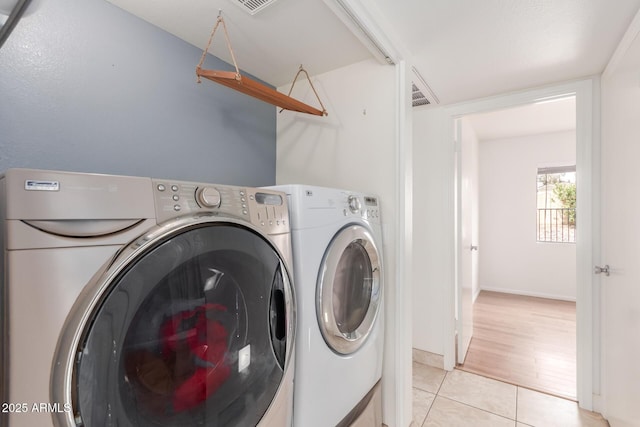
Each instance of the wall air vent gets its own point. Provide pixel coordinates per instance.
(421, 92)
(253, 6)
(418, 97)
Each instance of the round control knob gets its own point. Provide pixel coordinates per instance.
(354, 204)
(208, 197)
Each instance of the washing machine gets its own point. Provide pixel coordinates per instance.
(338, 266)
(130, 301)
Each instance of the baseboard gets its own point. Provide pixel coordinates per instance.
(428, 358)
(598, 405)
(476, 293)
(530, 294)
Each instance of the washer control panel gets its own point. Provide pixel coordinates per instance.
(265, 209)
(208, 197)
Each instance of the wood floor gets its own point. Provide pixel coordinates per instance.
(526, 341)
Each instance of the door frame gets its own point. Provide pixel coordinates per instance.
(588, 172)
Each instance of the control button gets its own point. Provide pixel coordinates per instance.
(176, 197)
(208, 197)
(244, 212)
(262, 223)
(251, 197)
(242, 199)
(354, 204)
(174, 188)
(177, 208)
(242, 193)
(278, 222)
(161, 187)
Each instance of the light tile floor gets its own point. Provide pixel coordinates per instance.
(458, 398)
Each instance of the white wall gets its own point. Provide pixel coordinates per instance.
(510, 258)
(353, 148)
(86, 86)
(432, 191)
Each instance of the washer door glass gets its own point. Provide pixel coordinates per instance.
(349, 289)
(192, 333)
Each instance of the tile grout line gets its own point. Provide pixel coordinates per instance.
(446, 373)
(479, 409)
(517, 392)
(437, 393)
(475, 407)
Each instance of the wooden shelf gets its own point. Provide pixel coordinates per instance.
(251, 87)
(257, 90)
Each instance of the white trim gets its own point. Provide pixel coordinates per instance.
(624, 45)
(587, 114)
(403, 262)
(476, 294)
(460, 334)
(584, 242)
(366, 27)
(451, 248)
(529, 294)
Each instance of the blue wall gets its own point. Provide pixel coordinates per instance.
(86, 86)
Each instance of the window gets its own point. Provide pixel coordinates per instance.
(556, 204)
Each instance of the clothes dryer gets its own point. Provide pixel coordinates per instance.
(132, 301)
(338, 266)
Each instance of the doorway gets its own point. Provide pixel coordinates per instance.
(587, 338)
(517, 252)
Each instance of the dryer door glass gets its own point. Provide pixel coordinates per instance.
(352, 287)
(193, 332)
(349, 289)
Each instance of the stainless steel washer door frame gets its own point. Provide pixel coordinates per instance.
(81, 315)
(339, 341)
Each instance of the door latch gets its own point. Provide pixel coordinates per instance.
(597, 270)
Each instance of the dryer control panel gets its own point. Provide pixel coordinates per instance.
(364, 206)
(371, 209)
(265, 209)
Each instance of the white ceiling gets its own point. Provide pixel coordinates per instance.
(545, 117)
(468, 49)
(271, 44)
(464, 49)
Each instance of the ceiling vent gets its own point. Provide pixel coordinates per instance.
(421, 92)
(253, 6)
